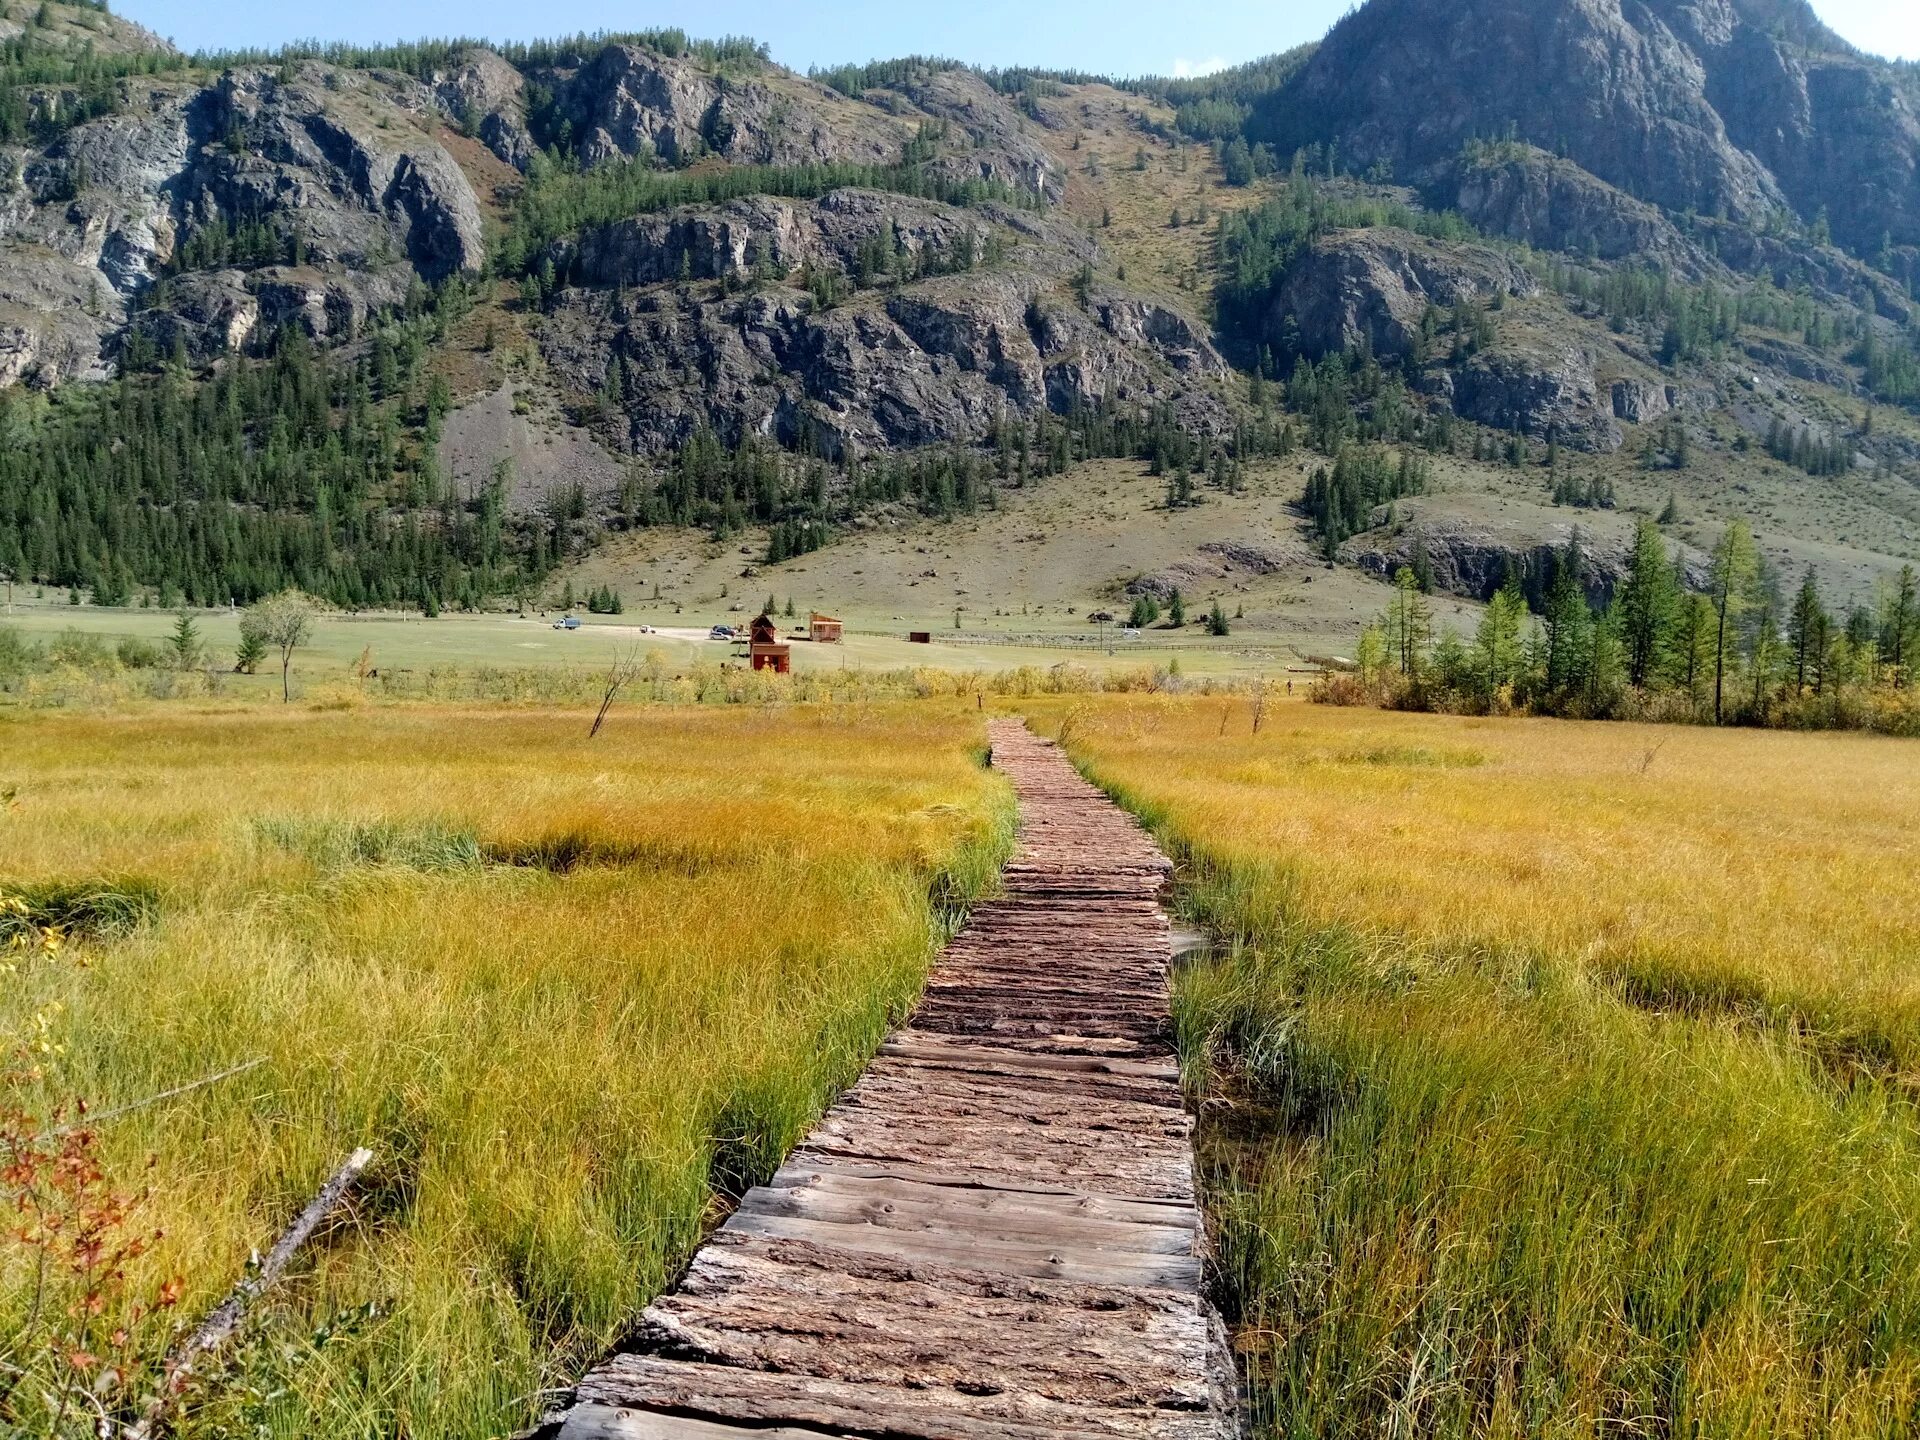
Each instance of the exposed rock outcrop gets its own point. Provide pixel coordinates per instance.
(1548, 393)
(486, 97)
(1472, 557)
(1640, 401)
(989, 142)
(1372, 288)
(1552, 204)
(335, 166)
(1221, 562)
(628, 101)
(351, 189)
(940, 360)
(771, 237)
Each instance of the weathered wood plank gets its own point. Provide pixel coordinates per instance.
(983, 1216)
(935, 1050)
(869, 1320)
(801, 1162)
(1059, 1260)
(963, 1196)
(725, 1392)
(606, 1422)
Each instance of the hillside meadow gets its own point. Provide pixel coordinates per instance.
(1559, 1078)
(572, 994)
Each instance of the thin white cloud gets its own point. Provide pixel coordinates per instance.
(1194, 69)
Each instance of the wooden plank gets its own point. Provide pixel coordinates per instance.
(932, 1049)
(985, 1215)
(1156, 1166)
(882, 1322)
(803, 1162)
(729, 1393)
(1062, 1258)
(606, 1422)
(964, 1195)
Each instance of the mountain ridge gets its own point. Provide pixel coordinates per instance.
(675, 283)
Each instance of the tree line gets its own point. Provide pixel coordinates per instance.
(1735, 651)
(806, 494)
(305, 470)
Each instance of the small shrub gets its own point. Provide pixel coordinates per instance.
(137, 654)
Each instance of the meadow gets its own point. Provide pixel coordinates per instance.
(1559, 1079)
(572, 995)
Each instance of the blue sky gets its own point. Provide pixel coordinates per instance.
(1122, 37)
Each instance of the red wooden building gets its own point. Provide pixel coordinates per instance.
(765, 647)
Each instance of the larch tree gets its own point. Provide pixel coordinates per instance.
(1736, 570)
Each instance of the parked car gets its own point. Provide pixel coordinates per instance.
(721, 632)
(572, 622)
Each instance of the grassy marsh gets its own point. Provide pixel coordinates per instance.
(568, 993)
(1566, 1090)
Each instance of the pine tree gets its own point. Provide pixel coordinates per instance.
(1568, 623)
(1498, 640)
(1807, 628)
(253, 650)
(1900, 626)
(185, 642)
(1409, 623)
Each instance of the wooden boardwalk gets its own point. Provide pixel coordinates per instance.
(994, 1235)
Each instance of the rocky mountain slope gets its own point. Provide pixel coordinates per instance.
(1744, 110)
(1582, 248)
(211, 213)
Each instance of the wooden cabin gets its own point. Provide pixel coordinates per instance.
(823, 629)
(765, 648)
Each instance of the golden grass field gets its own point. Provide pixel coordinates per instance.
(567, 992)
(1562, 1076)
(1558, 1079)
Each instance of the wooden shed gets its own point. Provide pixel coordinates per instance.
(764, 647)
(823, 629)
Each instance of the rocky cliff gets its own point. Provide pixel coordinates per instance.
(975, 321)
(302, 194)
(1742, 109)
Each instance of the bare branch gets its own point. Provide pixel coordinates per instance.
(89, 1121)
(620, 674)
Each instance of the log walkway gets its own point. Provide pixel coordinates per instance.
(994, 1234)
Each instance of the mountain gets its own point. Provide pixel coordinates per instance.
(1744, 110)
(424, 324)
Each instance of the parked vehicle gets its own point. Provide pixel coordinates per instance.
(721, 632)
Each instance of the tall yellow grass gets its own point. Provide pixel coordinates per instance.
(1563, 1076)
(566, 991)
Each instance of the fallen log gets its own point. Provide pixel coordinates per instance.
(226, 1318)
